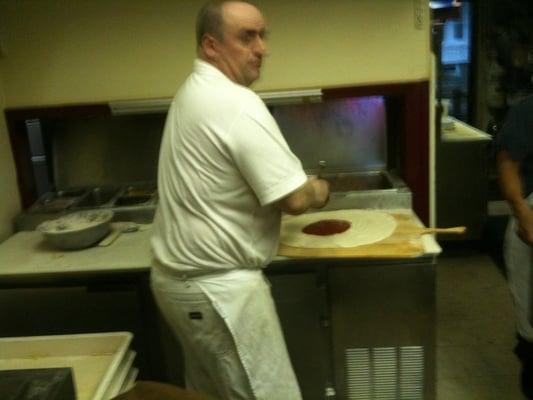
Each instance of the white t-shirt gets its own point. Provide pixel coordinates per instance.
(222, 163)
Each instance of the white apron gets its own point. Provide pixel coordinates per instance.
(240, 302)
(519, 263)
(243, 299)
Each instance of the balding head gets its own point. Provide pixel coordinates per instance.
(209, 21)
(230, 35)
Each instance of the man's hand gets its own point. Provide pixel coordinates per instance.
(313, 194)
(321, 189)
(525, 224)
(512, 189)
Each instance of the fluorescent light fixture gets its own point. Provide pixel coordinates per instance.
(153, 106)
(444, 4)
(291, 96)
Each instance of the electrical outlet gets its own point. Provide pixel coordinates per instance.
(418, 13)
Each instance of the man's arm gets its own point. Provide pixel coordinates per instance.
(313, 194)
(513, 191)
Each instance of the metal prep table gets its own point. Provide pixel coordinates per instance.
(101, 289)
(360, 327)
(339, 316)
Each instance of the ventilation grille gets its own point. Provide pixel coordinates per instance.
(385, 373)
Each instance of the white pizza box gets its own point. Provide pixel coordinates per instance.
(94, 358)
(120, 375)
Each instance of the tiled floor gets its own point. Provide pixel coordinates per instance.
(475, 330)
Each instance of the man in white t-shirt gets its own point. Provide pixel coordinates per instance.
(225, 175)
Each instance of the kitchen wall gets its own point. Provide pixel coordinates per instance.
(9, 200)
(82, 51)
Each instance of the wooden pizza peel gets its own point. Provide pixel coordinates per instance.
(404, 242)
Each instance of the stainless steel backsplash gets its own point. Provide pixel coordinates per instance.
(349, 134)
(107, 151)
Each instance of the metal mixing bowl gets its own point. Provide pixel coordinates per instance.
(77, 230)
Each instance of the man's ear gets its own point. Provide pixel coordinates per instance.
(209, 46)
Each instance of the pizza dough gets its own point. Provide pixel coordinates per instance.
(367, 226)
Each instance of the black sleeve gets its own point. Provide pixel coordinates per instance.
(514, 137)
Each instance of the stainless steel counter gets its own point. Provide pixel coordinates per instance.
(352, 326)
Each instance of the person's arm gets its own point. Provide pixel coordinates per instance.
(513, 191)
(313, 194)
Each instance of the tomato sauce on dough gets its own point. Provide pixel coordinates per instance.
(327, 227)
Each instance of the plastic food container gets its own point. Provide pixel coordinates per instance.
(101, 362)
